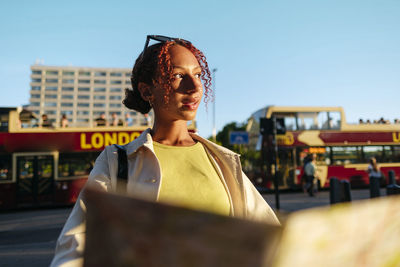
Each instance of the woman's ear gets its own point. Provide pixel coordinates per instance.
(145, 91)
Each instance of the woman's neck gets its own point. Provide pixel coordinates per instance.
(172, 134)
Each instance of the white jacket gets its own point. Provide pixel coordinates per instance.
(144, 182)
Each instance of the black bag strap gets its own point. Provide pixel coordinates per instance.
(122, 174)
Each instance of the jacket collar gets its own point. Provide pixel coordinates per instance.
(146, 140)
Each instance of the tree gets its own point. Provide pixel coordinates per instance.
(250, 158)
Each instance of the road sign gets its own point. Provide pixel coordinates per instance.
(239, 138)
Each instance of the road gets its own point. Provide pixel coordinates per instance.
(28, 237)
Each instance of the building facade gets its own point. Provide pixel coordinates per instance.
(82, 94)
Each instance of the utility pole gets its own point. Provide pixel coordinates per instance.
(214, 132)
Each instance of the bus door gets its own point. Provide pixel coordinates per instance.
(35, 178)
(287, 168)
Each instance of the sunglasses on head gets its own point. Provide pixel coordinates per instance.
(162, 39)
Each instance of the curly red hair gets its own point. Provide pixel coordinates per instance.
(165, 68)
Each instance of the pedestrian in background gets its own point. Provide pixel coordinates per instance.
(115, 121)
(64, 121)
(167, 163)
(311, 178)
(46, 123)
(101, 121)
(128, 119)
(374, 169)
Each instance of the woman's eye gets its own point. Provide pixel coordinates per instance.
(198, 75)
(178, 76)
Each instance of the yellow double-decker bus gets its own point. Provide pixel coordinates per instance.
(343, 150)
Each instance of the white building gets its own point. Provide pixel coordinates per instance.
(81, 93)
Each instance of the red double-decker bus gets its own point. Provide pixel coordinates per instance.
(49, 166)
(343, 150)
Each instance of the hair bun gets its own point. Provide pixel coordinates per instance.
(133, 100)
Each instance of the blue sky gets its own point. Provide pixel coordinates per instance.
(308, 53)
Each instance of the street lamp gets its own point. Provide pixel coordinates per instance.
(214, 132)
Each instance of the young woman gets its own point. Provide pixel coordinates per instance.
(167, 163)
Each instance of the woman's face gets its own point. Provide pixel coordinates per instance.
(187, 89)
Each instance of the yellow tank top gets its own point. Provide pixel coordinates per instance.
(190, 180)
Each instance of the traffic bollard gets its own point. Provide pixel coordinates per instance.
(392, 177)
(374, 187)
(334, 190)
(346, 191)
(392, 188)
(339, 191)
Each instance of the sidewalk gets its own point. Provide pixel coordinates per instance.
(290, 202)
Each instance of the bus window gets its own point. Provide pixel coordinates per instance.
(307, 120)
(75, 164)
(25, 169)
(346, 155)
(395, 156)
(5, 167)
(323, 155)
(334, 120)
(323, 121)
(290, 123)
(387, 154)
(373, 151)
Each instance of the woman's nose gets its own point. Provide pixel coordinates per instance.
(193, 84)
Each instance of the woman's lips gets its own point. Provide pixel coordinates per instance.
(191, 104)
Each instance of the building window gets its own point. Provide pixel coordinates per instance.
(50, 104)
(35, 88)
(127, 74)
(83, 81)
(69, 73)
(97, 113)
(83, 105)
(84, 73)
(99, 105)
(115, 90)
(82, 112)
(67, 112)
(35, 96)
(116, 74)
(99, 89)
(50, 112)
(51, 88)
(99, 74)
(115, 97)
(36, 72)
(82, 120)
(115, 105)
(68, 89)
(83, 96)
(116, 112)
(83, 89)
(35, 104)
(68, 81)
(67, 96)
(116, 82)
(67, 104)
(99, 97)
(51, 80)
(99, 81)
(128, 81)
(51, 96)
(36, 80)
(52, 72)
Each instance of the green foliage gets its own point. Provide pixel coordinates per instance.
(250, 159)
